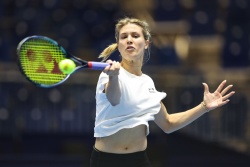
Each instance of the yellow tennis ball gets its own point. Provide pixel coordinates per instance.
(67, 66)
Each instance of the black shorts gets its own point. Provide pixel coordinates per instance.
(102, 159)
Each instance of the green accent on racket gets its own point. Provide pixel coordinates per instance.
(39, 58)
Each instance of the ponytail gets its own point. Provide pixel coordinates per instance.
(108, 51)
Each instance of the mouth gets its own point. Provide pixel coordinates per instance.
(130, 48)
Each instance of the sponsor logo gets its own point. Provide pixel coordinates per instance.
(151, 90)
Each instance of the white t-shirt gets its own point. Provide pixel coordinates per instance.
(139, 102)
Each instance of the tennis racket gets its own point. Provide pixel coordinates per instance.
(38, 59)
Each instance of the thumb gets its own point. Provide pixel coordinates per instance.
(206, 89)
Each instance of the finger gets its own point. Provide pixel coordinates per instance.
(109, 61)
(221, 86)
(117, 65)
(228, 95)
(206, 89)
(224, 102)
(107, 68)
(113, 69)
(226, 89)
(114, 64)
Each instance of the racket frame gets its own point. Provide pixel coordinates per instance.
(81, 63)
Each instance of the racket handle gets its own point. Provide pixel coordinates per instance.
(97, 65)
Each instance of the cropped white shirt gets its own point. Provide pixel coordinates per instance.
(139, 102)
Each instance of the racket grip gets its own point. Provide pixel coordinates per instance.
(97, 65)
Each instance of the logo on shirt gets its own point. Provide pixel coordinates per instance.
(151, 90)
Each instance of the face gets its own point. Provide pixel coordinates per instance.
(131, 43)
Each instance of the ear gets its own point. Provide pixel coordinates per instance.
(146, 44)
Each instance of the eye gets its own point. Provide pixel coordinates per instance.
(123, 36)
(136, 35)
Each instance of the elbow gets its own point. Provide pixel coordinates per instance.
(114, 102)
(171, 128)
(168, 129)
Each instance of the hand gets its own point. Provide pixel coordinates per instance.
(219, 97)
(113, 69)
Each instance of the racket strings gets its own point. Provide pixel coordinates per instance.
(39, 60)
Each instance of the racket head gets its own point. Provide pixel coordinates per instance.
(38, 59)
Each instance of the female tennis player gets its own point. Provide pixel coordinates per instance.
(126, 99)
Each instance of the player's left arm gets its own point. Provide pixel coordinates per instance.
(172, 122)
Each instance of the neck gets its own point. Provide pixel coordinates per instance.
(132, 67)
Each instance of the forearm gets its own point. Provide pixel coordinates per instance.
(172, 122)
(212, 100)
(113, 91)
(182, 119)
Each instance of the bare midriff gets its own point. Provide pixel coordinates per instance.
(124, 141)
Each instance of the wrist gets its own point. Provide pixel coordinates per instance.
(204, 106)
(113, 77)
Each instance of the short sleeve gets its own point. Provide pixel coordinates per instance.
(103, 79)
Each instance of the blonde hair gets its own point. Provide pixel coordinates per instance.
(122, 22)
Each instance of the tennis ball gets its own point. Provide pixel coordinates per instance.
(67, 66)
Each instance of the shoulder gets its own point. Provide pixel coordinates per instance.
(147, 77)
(103, 76)
(103, 79)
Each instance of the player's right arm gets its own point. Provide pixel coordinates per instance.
(112, 88)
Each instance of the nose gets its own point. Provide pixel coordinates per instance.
(129, 39)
